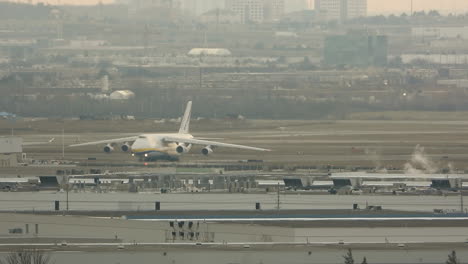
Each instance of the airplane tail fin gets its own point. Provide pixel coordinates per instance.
(185, 124)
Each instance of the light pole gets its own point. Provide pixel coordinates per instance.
(63, 143)
(411, 8)
(278, 198)
(462, 209)
(68, 187)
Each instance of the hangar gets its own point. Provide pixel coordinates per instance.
(209, 52)
(10, 148)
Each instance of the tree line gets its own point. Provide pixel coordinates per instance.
(349, 258)
(35, 256)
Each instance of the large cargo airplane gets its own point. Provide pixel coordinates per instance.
(150, 147)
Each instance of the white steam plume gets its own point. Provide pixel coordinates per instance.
(420, 163)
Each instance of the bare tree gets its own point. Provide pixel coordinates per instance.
(452, 258)
(364, 261)
(27, 256)
(348, 258)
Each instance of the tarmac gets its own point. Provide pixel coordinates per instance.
(124, 201)
(313, 143)
(248, 253)
(306, 229)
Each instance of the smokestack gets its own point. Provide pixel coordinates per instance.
(105, 84)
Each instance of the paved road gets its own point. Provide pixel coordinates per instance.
(212, 201)
(323, 256)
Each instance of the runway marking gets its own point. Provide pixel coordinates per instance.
(453, 218)
(201, 244)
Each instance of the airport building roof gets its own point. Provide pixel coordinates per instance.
(365, 175)
(322, 183)
(270, 183)
(426, 184)
(122, 95)
(11, 145)
(210, 52)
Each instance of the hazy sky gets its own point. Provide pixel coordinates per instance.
(375, 6)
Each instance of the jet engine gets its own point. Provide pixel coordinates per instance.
(108, 148)
(183, 149)
(207, 150)
(125, 147)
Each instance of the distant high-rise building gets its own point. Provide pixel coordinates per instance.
(191, 7)
(341, 10)
(273, 9)
(257, 10)
(297, 5)
(198, 7)
(329, 9)
(143, 4)
(355, 8)
(249, 10)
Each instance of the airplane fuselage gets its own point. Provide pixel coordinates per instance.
(149, 147)
(150, 144)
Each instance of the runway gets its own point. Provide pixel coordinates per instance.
(340, 143)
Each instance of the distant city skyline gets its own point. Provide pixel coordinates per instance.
(374, 6)
(393, 6)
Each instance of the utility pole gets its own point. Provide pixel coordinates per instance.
(68, 187)
(278, 198)
(462, 209)
(63, 143)
(201, 75)
(411, 8)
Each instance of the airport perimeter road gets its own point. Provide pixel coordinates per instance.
(11, 201)
(253, 256)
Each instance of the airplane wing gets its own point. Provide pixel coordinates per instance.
(210, 143)
(107, 141)
(38, 143)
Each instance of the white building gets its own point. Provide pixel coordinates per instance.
(138, 4)
(122, 95)
(296, 5)
(341, 10)
(440, 32)
(220, 16)
(198, 7)
(209, 52)
(442, 59)
(249, 10)
(10, 147)
(356, 8)
(193, 7)
(329, 9)
(257, 11)
(84, 43)
(273, 9)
